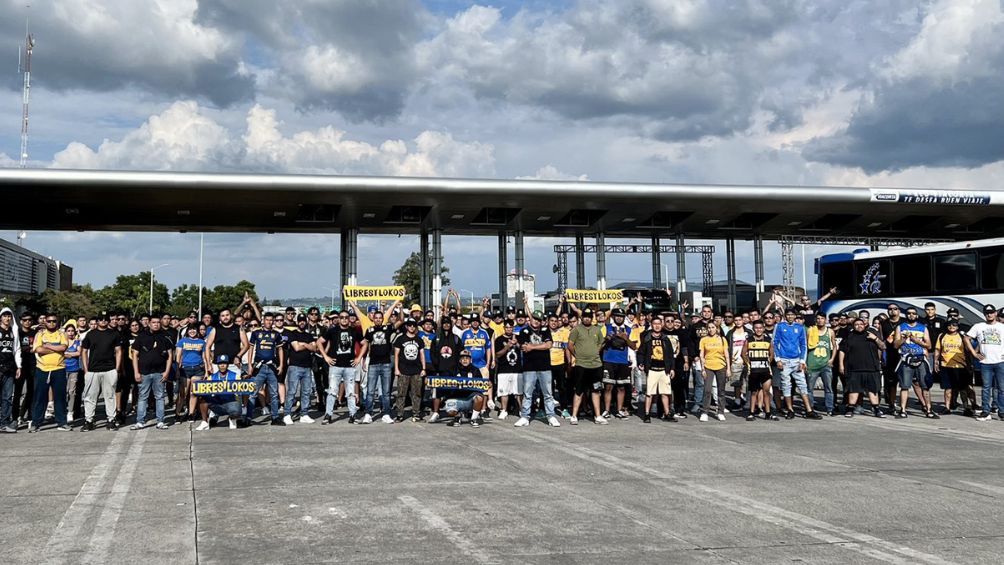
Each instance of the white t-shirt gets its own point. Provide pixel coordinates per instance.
(991, 340)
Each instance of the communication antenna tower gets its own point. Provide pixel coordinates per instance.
(24, 66)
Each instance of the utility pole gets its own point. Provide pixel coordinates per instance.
(24, 67)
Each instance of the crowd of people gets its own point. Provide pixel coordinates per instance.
(576, 363)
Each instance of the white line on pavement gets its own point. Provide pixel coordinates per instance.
(60, 545)
(437, 523)
(104, 529)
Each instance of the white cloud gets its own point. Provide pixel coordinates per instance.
(184, 137)
(550, 172)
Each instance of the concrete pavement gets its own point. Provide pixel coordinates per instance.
(858, 490)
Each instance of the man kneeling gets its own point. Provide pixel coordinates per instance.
(457, 404)
(221, 404)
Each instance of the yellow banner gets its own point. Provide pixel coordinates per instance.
(211, 388)
(373, 292)
(459, 383)
(594, 295)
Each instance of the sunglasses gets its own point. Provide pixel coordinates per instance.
(51, 321)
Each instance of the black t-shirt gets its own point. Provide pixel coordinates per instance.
(378, 338)
(409, 361)
(446, 354)
(540, 359)
(511, 361)
(27, 357)
(808, 312)
(889, 329)
(100, 346)
(227, 341)
(935, 327)
(300, 358)
(8, 349)
(153, 350)
(861, 353)
(341, 344)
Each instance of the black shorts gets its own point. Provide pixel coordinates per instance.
(616, 374)
(956, 378)
(758, 378)
(587, 380)
(860, 382)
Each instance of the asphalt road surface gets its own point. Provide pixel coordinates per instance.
(858, 490)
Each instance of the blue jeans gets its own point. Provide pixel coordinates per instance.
(150, 381)
(345, 375)
(7, 398)
(530, 381)
(299, 379)
(826, 373)
(698, 387)
(231, 409)
(378, 380)
(266, 376)
(43, 380)
(792, 369)
(993, 377)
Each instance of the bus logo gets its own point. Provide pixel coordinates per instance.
(871, 282)
(886, 197)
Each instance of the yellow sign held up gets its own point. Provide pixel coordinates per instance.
(594, 295)
(212, 388)
(373, 292)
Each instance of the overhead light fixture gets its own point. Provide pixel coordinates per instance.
(73, 211)
(629, 220)
(713, 222)
(951, 226)
(457, 217)
(278, 214)
(874, 224)
(543, 218)
(184, 212)
(793, 224)
(369, 215)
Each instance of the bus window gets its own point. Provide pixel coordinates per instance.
(871, 277)
(992, 268)
(955, 272)
(911, 275)
(839, 274)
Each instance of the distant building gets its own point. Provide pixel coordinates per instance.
(24, 273)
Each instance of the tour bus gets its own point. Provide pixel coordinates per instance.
(964, 275)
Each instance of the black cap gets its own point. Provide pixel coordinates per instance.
(587, 313)
(989, 308)
(520, 314)
(617, 312)
(510, 310)
(301, 317)
(497, 314)
(953, 311)
(465, 353)
(103, 317)
(411, 322)
(222, 359)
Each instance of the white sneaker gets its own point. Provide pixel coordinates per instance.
(387, 419)
(162, 426)
(306, 419)
(721, 417)
(600, 420)
(605, 414)
(704, 417)
(433, 418)
(69, 416)
(503, 415)
(287, 419)
(521, 423)
(726, 410)
(367, 419)
(553, 422)
(266, 411)
(203, 426)
(138, 426)
(233, 423)
(491, 404)
(573, 421)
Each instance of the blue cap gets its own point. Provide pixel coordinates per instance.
(222, 359)
(371, 309)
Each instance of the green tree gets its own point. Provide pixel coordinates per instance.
(184, 299)
(410, 277)
(226, 296)
(79, 301)
(131, 294)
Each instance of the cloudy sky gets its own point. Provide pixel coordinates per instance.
(841, 92)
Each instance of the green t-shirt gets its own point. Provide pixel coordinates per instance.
(587, 342)
(819, 358)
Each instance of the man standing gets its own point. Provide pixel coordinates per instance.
(24, 386)
(821, 358)
(890, 379)
(267, 358)
(379, 371)
(338, 349)
(559, 363)
(951, 363)
(736, 338)
(584, 344)
(858, 359)
(10, 369)
(656, 360)
(409, 367)
(509, 364)
(227, 339)
(535, 344)
(49, 348)
(478, 343)
(616, 363)
(791, 350)
(913, 342)
(758, 356)
(151, 362)
(300, 374)
(990, 337)
(101, 358)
